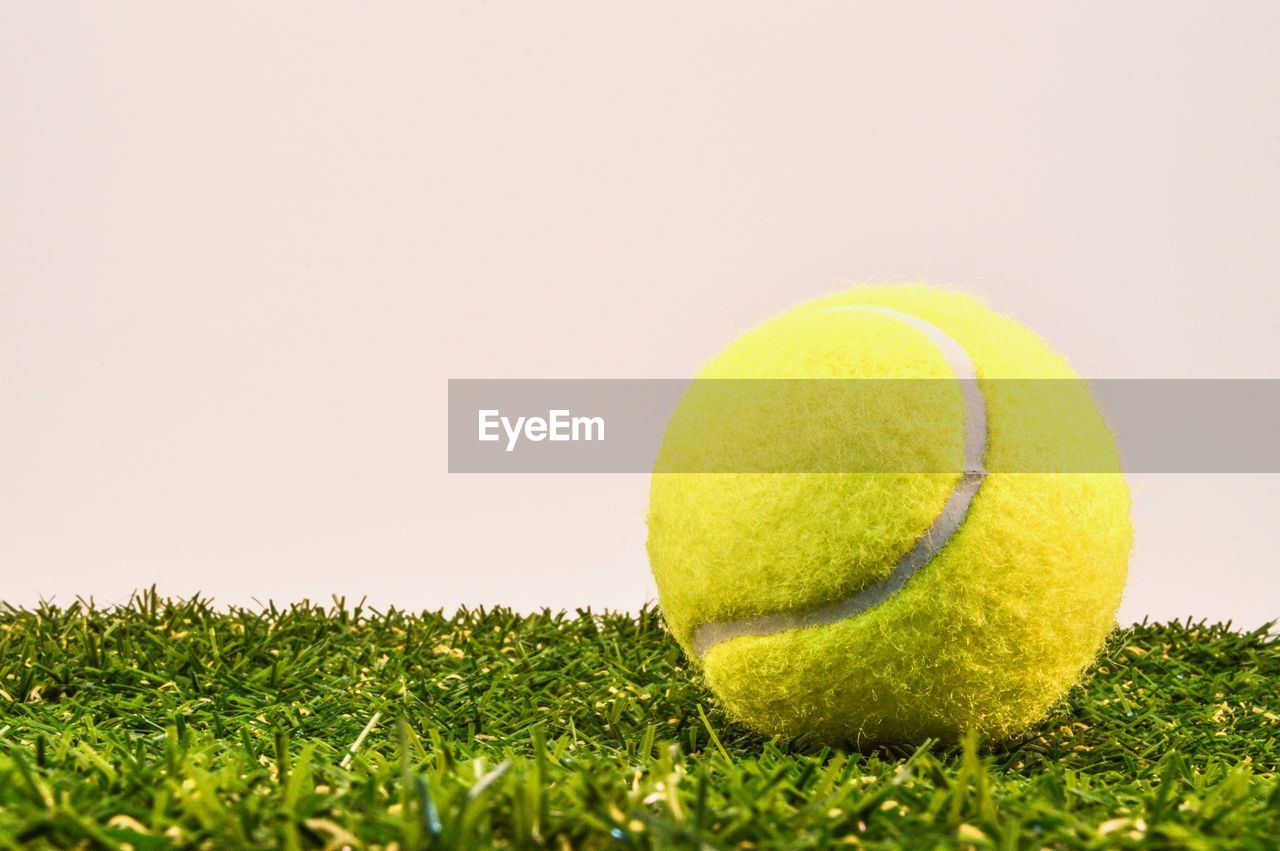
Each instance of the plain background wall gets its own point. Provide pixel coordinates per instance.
(243, 246)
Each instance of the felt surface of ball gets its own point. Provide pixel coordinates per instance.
(965, 584)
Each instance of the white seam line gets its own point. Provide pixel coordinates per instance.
(940, 531)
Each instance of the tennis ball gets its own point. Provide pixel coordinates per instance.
(960, 575)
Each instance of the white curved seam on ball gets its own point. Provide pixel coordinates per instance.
(927, 546)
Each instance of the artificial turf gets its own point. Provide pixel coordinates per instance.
(177, 724)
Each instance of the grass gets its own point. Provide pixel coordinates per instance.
(175, 724)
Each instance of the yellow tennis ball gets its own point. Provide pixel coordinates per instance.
(889, 561)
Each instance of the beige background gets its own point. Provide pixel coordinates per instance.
(243, 245)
